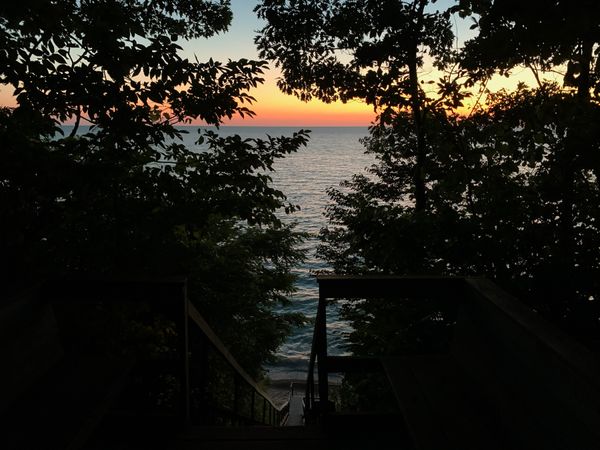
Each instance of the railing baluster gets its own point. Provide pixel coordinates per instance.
(241, 376)
(203, 375)
(171, 296)
(322, 354)
(184, 345)
(236, 396)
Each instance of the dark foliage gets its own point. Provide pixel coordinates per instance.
(537, 34)
(509, 192)
(367, 50)
(125, 197)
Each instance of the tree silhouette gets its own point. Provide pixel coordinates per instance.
(121, 194)
(536, 34)
(361, 49)
(558, 36)
(511, 189)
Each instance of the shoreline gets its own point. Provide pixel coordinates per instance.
(280, 390)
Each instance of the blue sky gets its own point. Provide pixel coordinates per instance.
(236, 43)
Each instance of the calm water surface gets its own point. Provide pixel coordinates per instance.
(333, 154)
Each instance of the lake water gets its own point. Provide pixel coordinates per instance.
(333, 154)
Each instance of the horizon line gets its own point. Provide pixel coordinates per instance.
(246, 126)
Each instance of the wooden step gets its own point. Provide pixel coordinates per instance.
(65, 406)
(288, 438)
(295, 415)
(29, 346)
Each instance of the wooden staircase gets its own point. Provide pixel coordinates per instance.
(342, 431)
(65, 406)
(284, 438)
(507, 380)
(62, 390)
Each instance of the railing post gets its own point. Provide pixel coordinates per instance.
(264, 414)
(236, 396)
(322, 353)
(184, 345)
(199, 372)
(310, 380)
(308, 392)
(252, 405)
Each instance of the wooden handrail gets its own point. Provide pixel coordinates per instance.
(547, 336)
(170, 294)
(363, 286)
(214, 340)
(456, 289)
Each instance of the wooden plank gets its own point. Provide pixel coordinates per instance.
(573, 353)
(486, 346)
(442, 409)
(351, 364)
(470, 420)
(551, 378)
(288, 438)
(296, 413)
(422, 423)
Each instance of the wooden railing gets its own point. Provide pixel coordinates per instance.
(489, 323)
(346, 286)
(195, 339)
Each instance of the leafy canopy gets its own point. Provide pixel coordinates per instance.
(538, 34)
(510, 192)
(352, 49)
(121, 194)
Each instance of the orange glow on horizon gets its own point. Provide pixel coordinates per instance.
(303, 119)
(6, 97)
(273, 107)
(315, 113)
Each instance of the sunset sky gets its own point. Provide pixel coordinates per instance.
(273, 107)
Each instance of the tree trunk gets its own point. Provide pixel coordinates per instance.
(585, 61)
(568, 165)
(415, 101)
(419, 171)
